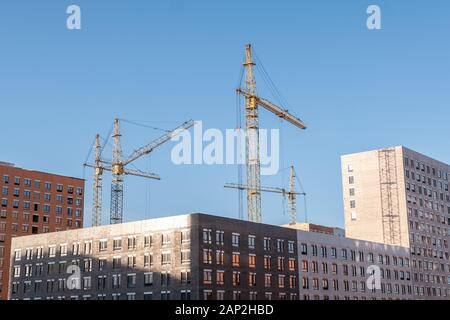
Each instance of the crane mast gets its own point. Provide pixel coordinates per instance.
(253, 163)
(292, 199)
(116, 206)
(98, 179)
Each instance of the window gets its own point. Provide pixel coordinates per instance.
(131, 261)
(220, 257)
(116, 281)
(280, 245)
(185, 256)
(148, 279)
(266, 244)
(165, 258)
(252, 279)
(185, 294)
(185, 236)
(165, 238)
(304, 249)
(280, 264)
(291, 247)
(291, 264)
(117, 262)
(87, 284)
(52, 251)
(251, 242)
(235, 239)
(207, 295)
(63, 250)
(207, 238)
(207, 277)
(235, 259)
(148, 241)
(252, 261)
(220, 277)
(219, 238)
(352, 192)
(17, 255)
(165, 279)
(103, 245)
(236, 278)
(131, 280)
(352, 204)
(267, 262)
(132, 243)
(207, 256)
(344, 254)
(351, 180)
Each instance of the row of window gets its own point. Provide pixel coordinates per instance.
(252, 295)
(164, 295)
(87, 246)
(37, 207)
(37, 184)
(219, 278)
(419, 166)
(279, 244)
(313, 267)
(352, 255)
(37, 196)
(354, 286)
(34, 229)
(236, 260)
(103, 282)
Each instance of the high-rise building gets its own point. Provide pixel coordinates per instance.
(33, 202)
(204, 257)
(401, 197)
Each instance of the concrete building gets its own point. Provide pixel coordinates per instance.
(400, 197)
(202, 257)
(35, 202)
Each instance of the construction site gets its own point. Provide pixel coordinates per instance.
(198, 256)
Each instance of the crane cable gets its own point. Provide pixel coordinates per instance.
(239, 151)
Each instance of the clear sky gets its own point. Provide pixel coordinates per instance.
(168, 61)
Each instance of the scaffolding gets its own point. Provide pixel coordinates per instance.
(390, 204)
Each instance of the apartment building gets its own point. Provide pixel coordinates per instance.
(333, 267)
(35, 202)
(400, 197)
(203, 257)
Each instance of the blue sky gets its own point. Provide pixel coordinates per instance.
(165, 62)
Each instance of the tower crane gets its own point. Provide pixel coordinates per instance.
(290, 194)
(252, 149)
(118, 168)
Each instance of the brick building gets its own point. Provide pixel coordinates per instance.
(33, 202)
(203, 257)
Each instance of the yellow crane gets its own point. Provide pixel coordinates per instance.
(290, 194)
(118, 168)
(252, 149)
